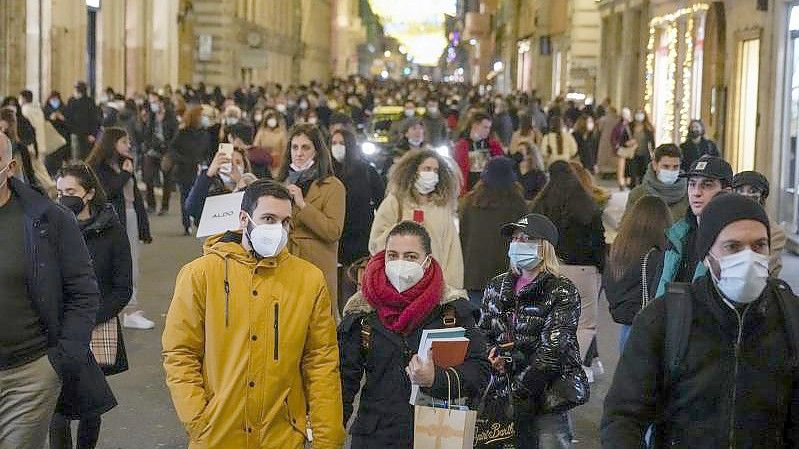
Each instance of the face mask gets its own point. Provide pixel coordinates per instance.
(303, 105)
(226, 168)
(433, 111)
(743, 275)
(313, 120)
(154, 107)
(55, 103)
(589, 126)
(230, 121)
(404, 274)
(281, 107)
(267, 240)
(205, 122)
(409, 112)
(524, 255)
(639, 117)
(695, 132)
(426, 182)
(668, 176)
(339, 151)
(302, 167)
(415, 142)
(73, 203)
(271, 122)
(258, 118)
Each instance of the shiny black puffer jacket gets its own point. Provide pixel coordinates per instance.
(545, 372)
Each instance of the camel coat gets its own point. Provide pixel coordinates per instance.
(318, 227)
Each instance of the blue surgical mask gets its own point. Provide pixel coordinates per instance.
(524, 255)
(668, 176)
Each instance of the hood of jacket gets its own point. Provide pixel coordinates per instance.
(101, 221)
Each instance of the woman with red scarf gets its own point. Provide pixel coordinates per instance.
(403, 293)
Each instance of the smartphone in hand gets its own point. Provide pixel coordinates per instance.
(226, 149)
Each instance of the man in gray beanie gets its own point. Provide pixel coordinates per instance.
(710, 364)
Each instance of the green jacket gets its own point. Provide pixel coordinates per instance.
(676, 235)
(677, 209)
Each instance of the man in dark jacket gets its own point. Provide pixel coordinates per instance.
(49, 307)
(696, 146)
(733, 380)
(83, 121)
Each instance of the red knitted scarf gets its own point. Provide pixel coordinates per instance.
(401, 312)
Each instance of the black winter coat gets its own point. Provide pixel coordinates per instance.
(738, 385)
(63, 289)
(544, 334)
(114, 184)
(625, 295)
(82, 116)
(385, 418)
(109, 249)
(188, 150)
(365, 191)
(582, 243)
(693, 151)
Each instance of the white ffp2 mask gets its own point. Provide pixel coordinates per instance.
(267, 240)
(743, 275)
(426, 182)
(404, 274)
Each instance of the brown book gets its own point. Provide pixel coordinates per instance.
(450, 352)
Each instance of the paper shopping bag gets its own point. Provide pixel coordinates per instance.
(442, 428)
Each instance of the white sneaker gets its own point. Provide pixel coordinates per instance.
(597, 367)
(136, 320)
(589, 372)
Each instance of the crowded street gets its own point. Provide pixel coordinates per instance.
(373, 224)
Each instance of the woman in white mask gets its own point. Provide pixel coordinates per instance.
(272, 138)
(423, 187)
(403, 294)
(319, 203)
(365, 191)
(224, 175)
(529, 315)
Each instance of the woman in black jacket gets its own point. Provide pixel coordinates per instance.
(80, 191)
(187, 152)
(113, 164)
(403, 294)
(530, 316)
(581, 247)
(365, 191)
(635, 262)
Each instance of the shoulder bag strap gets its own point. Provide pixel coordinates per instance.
(644, 279)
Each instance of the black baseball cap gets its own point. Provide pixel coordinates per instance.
(534, 225)
(751, 178)
(712, 167)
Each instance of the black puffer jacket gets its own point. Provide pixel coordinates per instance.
(542, 323)
(385, 418)
(625, 294)
(737, 385)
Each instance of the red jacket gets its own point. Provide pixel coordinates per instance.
(461, 156)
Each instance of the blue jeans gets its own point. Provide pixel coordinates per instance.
(476, 297)
(624, 334)
(550, 431)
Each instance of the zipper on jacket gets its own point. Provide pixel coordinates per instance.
(740, 318)
(277, 330)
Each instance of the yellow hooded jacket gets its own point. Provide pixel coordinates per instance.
(248, 343)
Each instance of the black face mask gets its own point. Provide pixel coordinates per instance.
(73, 203)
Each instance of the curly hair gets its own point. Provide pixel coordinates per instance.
(403, 174)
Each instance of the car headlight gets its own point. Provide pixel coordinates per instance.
(368, 148)
(443, 150)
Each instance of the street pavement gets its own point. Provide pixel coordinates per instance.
(145, 417)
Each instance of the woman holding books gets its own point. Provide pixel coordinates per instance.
(403, 294)
(530, 318)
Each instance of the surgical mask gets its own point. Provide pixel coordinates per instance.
(205, 122)
(404, 274)
(426, 182)
(271, 122)
(303, 105)
(743, 275)
(302, 167)
(154, 107)
(267, 240)
(230, 121)
(73, 203)
(639, 117)
(589, 126)
(433, 110)
(339, 151)
(257, 118)
(416, 142)
(524, 255)
(312, 120)
(668, 176)
(55, 103)
(409, 112)
(281, 107)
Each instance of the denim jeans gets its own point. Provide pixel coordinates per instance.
(624, 334)
(550, 431)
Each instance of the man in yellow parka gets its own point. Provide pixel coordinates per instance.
(250, 343)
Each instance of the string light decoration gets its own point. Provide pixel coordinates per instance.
(667, 24)
(687, 71)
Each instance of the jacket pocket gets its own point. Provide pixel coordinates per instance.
(276, 330)
(198, 429)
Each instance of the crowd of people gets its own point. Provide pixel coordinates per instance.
(341, 264)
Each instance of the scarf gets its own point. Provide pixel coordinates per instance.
(303, 179)
(670, 193)
(401, 312)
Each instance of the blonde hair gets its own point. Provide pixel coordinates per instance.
(403, 174)
(550, 263)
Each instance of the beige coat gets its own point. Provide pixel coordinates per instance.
(318, 227)
(439, 222)
(275, 142)
(549, 148)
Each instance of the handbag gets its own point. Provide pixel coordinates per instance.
(53, 140)
(625, 151)
(105, 343)
(495, 427)
(444, 428)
